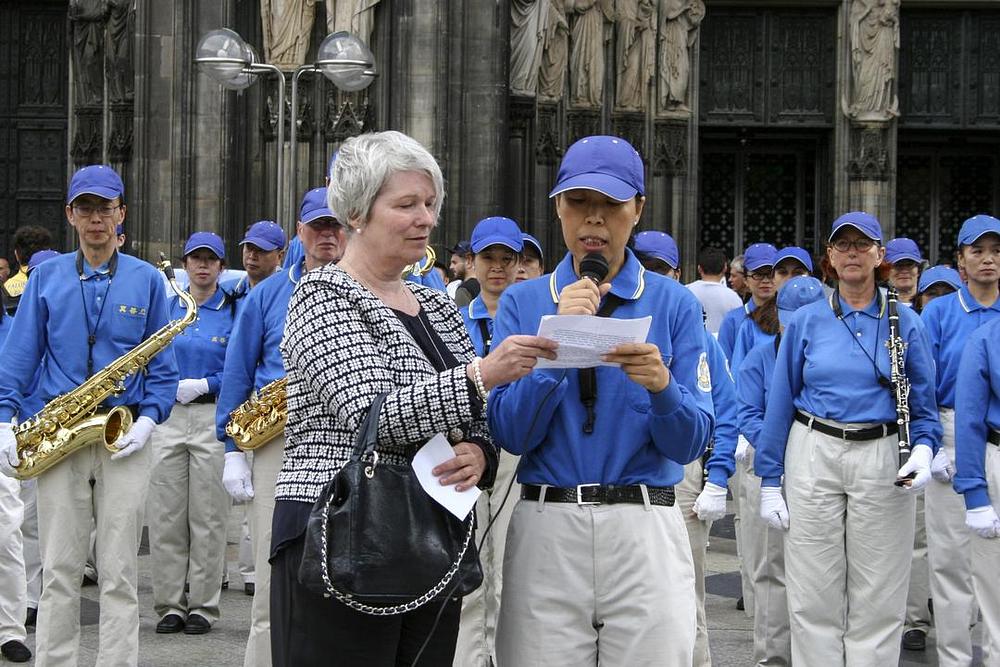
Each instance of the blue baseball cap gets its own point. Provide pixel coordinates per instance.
(939, 274)
(793, 252)
(902, 248)
(658, 245)
(797, 292)
(758, 255)
(314, 206)
(609, 165)
(461, 248)
(96, 179)
(531, 240)
(41, 256)
(865, 223)
(497, 231)
(205, 240)
(976, 226)
(266, 235)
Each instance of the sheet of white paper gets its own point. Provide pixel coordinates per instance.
(584, 338)
(434, 453)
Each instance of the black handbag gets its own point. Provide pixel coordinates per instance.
(378, 543)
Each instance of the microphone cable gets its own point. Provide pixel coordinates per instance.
(510, 485)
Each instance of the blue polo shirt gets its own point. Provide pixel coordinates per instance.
(5, 322)
(201, 348)
(731, 324)
(430, 279)
(977, 412)
(475, 316)
(949, 321)
(294, 254)
(638, 436)
(722, 463)
(824, 367)
(57, 312)
(750, 336)
(752, 384)
(253, 358)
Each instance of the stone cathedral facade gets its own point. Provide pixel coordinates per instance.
(756, 120)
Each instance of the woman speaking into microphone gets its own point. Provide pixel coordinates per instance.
(598, 568)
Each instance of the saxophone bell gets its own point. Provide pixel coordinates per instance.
(424, 266)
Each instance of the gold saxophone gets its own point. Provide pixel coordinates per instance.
(72, 420)
(422, 267)
(261, 418)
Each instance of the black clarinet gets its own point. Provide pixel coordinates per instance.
(897, 377)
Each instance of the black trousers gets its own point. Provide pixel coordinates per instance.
(308, 629)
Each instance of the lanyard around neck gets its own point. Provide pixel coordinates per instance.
(92, 333)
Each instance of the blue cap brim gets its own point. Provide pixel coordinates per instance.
(609, 186)
(263, 244)
(851, 224)
(188, 251)
(751, 269)
(904, 256)
(978, 236)
(104, 193)
(534, 245)
(320, 213)
(483, 244)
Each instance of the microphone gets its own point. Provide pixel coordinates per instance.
(595, 267)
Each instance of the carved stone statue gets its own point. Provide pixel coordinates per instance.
(636, 26)
(87, 18)
(552, 75)
(121, 68)
(874, 50)
(354, 16)
(287, 26)
(679, 21)
(586, 60)
(527, 22)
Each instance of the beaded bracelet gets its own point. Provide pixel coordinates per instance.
(478, 378)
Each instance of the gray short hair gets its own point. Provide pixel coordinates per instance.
(364, 164)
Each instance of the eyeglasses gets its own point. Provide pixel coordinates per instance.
(501, 260)
(862, 244)
(762, 275)
(86, 211)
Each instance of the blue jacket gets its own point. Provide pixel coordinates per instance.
(59, 309)
(977, 412)
(472, 315)
(748, 337)
(722, 463)
(638, 437)
(201, 348)
(949, 321)
(824, 368)
(294, 253)
(253, 358)
(731, 324)
(752, 384)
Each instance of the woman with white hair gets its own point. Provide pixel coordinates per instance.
(355, 331)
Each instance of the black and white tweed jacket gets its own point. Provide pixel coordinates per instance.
(341, 348)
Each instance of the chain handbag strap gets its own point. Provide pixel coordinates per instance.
(416, 603)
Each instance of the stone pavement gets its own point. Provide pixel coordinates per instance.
(730, 630)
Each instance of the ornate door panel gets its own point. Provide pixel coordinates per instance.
(937, 191)
(33, 76)
(758, 193)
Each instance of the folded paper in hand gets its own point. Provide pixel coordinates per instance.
(584, 338)
(434, 453)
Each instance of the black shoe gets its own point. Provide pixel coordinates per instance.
(30, 617)
(225, 585)
(914, 640)
(249, 588)
(15, 651)
(197, 625)
(739, 604)
(170, 624)
(87, 581)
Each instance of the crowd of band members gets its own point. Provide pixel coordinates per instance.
(795, 380)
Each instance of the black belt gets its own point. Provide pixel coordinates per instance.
(204, 398)
(870, 433)
(598, 494)
(994, 438)
(134, 409)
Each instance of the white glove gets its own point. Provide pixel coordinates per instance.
(711, 502)
(135, 439)
(8, 450)
(941, 467)
(773, 508)
(742, 445)
(236, 477)
(190, 389)
(919, 463)
(983, 521)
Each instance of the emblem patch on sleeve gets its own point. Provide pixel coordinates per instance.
(704, 374)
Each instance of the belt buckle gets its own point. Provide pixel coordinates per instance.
(579, 495)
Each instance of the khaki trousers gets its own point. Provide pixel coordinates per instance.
(266, 464)
(67, 506)
(187, 531)
(847, 551)
(29, 535)
(13, 588)
(948, 554)
(918, 616)
(985, 558)
(746, 549)
(697, 533)
(597, 584)
(478, 625)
